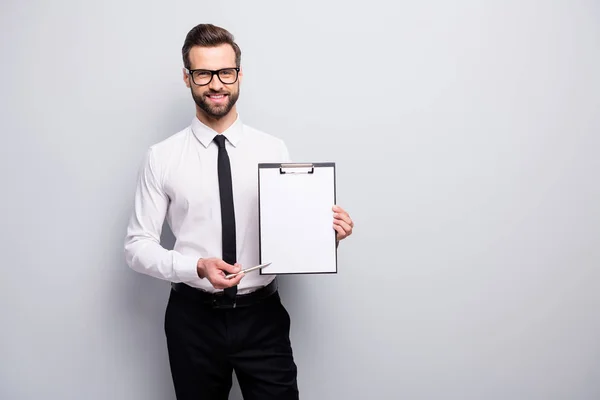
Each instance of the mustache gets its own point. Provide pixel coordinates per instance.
(212, 92)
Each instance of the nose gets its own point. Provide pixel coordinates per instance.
(215, 83)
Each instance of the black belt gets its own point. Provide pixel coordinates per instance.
(219, 300)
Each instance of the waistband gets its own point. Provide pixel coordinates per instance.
(220, 300)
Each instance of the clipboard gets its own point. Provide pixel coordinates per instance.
(295, 214)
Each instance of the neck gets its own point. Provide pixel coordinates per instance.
(219, 125)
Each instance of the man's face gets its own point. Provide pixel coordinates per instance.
(215, 99)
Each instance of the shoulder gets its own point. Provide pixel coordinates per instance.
(164, 151)
(270, 146)
(261, 135)
(263, 138)
(160, 154)
(172, 143)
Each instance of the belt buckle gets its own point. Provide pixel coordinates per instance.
(220, 301)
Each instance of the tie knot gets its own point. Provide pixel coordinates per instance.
(220, 139)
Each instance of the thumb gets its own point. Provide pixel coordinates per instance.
(232, 269)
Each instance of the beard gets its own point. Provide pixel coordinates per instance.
(215, 111)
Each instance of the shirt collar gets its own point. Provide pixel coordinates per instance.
(206, 134)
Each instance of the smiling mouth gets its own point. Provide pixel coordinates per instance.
(216, 97)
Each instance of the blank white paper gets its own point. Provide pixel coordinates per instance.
(296, 221)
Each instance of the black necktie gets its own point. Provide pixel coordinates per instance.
(227, 212)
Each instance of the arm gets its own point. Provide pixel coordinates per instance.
(143, 251)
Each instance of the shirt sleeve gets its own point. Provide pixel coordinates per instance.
(143, 251)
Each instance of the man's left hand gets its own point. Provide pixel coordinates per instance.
(342, 223)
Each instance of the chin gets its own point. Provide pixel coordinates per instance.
(218, 115)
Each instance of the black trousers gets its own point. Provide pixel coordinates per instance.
(206, 344)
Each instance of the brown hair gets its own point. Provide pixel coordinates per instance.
(208, 35)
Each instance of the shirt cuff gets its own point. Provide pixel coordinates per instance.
(186, 268)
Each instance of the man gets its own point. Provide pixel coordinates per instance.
(203, 180)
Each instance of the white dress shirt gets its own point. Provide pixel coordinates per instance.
(179, 181)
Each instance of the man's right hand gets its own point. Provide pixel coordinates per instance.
(215, 269)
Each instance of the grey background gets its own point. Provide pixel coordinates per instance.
(466, 136)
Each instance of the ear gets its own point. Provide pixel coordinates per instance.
(186, 78)
(240, 75)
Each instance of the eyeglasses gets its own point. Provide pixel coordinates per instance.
(203, 77)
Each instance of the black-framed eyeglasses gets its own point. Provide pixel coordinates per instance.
(203, 77)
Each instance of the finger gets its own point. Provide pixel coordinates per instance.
(230, 276)
(228, 268)
(344, 217)
(233, 280)
(341, 233)
(237, 267)
(341, 213)
(220, 282)
(345, 226)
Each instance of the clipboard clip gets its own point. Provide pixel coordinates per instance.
(296, 168)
